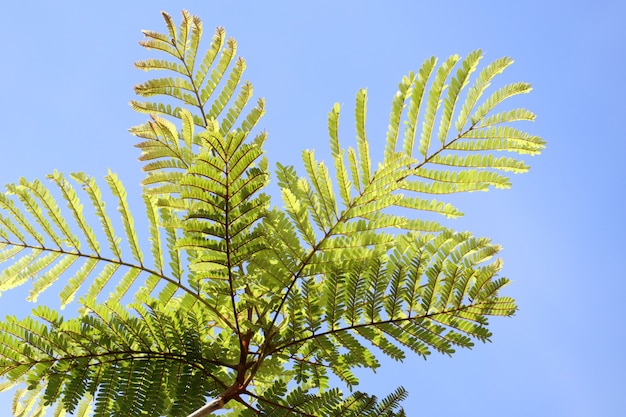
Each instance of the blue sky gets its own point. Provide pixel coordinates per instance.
(67, 77)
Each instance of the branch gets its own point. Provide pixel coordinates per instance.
(209, 407)
(232, 392)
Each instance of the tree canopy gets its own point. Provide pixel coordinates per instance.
(233, 300)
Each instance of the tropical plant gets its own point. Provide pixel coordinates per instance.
(229, 301)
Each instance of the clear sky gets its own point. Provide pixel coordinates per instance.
(67, 77)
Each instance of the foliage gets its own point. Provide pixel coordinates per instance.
(230, 301)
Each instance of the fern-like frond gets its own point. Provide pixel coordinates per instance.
(211, 87)
(39, 243)
(487, 133)
(223, 188)
(432, 292)
(438, 168)
(153, 361)
(304, 402)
